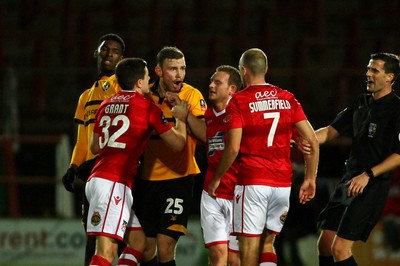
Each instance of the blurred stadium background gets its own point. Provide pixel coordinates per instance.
(318, 49)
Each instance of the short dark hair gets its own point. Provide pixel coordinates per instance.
(234, 75)
(255, 60)
(392, 63)
(129, 71)
(114, 37)
(170, 52)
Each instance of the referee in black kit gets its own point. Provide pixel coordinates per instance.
(373, 122)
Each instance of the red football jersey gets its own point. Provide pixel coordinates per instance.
(124, 123)
(216, 136)
(267, 115)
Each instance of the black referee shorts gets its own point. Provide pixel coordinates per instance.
(354, 218)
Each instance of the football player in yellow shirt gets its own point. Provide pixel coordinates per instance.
(108, 53)
(167, 179)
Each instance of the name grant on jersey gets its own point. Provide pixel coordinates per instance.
(118, 108)
(271, 104)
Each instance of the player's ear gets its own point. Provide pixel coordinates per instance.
(390, 77)
(231, 90)
(243, 69)
(158, 71)
(95, 53)
(139, 83)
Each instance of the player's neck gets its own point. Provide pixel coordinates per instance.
(381, 93)
(161, 91)
(256, 81)
(106, 73)
(219, 106)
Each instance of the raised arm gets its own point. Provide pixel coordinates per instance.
(176, 136)
(326, 134)
(195, 126)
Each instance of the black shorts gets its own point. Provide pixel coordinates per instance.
(163, 207)
(354, 218)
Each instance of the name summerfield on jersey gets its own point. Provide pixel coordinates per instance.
(266, 100)
(266, 105)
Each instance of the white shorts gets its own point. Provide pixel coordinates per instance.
(110, 208)
(257, 207)
(133, 223)
(216, 221)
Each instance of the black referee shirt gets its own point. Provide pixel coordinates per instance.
(375, 130)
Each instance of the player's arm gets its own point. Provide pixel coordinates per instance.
(326, 134)
(307, 189)
(389, 164)
(231, 151)
(94, 143)
(195, 126)
(80, 149)
(176, 136)
(358, 183)
(196, 123)
(78, 157)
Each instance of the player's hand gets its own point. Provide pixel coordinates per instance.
(357, 184)
(68, 179)
(212, 187)
(303, 145)
(307, 191)
(172, 98)
(180, 111)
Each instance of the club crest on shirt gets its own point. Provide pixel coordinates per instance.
(282, 218)
(226, 119)
(372, 129)
(96, 218)
(203, 105)
(123, 226)
(105, 86)
(173, 218)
